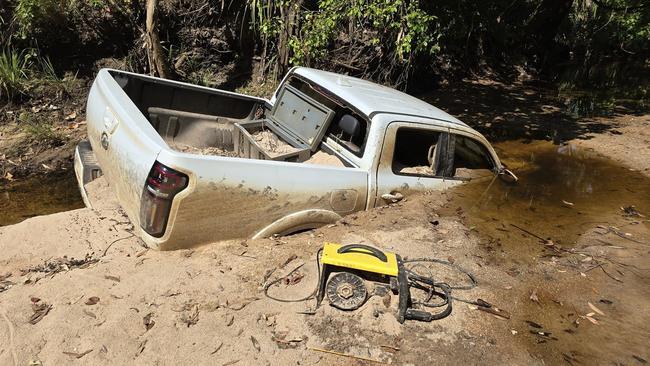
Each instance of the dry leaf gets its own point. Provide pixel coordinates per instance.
(192, 317)
(594, 308)
(141, 347)
(592, 320)
(40, 310)
(256, 344)
(77, 355)
(71, 116)
(533, 296)
(112, 278)
(217, 348)
(148, 321)
(92, 300)
(229, 320)
(9, 176)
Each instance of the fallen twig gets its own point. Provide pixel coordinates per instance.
(115, 241)
(618, 233)
(609, 275)
(528, 232)
(344, 354)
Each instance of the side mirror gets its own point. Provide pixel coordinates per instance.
(507, 176)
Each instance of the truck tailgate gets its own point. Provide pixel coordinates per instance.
(125, 144)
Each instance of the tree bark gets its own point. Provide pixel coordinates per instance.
(290, 20)
(157, 63)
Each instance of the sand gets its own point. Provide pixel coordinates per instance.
(210, 150)
(320, 157)
(272, 144)
(131, 305)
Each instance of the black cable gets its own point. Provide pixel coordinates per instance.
(473, 282)
(312, 294)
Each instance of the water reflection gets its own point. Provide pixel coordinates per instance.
(38, 196)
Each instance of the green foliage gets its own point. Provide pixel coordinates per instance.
(24, 72)
(397, 25)
(611, 27)
(13, 73)
(37, 16)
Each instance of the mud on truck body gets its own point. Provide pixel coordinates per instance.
(191, 165)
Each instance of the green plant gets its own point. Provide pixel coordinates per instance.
(40, 131)
(63, 86)
(34, 16)
(390, 32)
(14, 67)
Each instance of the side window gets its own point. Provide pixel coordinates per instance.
(470, 158)
(415, 152)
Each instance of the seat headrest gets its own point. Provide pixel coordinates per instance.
(350, 125)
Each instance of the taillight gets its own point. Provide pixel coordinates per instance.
(163, 183)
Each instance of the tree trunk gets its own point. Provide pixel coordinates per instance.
(157, 63)
(290, 20)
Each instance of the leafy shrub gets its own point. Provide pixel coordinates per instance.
(375, 38)
(13, 73)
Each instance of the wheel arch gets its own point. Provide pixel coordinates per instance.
(301, 220)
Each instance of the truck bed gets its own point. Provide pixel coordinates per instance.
(199, 122)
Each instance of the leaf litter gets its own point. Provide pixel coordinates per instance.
(40, 309)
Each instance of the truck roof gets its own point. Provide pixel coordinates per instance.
(370, 98)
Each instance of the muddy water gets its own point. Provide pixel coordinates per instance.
(563, 194)
(562, 191)
(38, 196)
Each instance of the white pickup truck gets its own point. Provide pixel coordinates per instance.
(192, 165)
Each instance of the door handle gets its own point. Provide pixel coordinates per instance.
(393, 197)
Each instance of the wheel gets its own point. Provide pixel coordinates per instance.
(346, 291)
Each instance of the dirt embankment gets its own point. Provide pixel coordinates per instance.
(79, 287)
(38, 136)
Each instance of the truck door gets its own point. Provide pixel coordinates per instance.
(413, 159)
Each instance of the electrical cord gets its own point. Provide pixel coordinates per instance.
(312, 294)
(430, 281)
(426, 283)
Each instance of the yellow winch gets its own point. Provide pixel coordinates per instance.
(347, 268)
